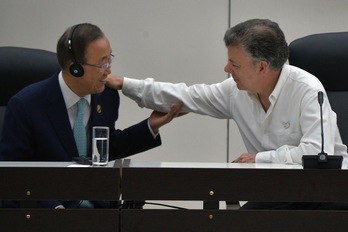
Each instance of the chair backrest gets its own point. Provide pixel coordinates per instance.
(326, 56)
(20, 67)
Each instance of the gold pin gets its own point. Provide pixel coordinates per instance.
(99, 108)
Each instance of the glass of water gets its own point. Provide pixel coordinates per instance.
(100, 146)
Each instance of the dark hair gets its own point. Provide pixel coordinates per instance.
(262, 39)
(81, 35)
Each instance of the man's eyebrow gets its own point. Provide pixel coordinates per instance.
(232, 61)
(106, 57)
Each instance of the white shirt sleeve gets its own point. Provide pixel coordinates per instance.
(203, 99)
(150, 129)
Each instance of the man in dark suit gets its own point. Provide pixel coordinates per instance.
(40, 119)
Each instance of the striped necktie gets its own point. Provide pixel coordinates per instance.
(79, 128)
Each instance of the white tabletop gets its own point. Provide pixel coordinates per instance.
(214, 165)
(47, 164)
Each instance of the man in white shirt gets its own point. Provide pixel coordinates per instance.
(275, 105)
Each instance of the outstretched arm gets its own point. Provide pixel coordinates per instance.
(213, 100)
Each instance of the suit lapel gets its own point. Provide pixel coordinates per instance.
(57, 113)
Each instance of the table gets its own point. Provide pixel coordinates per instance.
(207, 182)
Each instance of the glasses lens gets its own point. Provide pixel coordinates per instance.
(106, 65)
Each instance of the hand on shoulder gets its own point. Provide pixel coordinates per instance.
(113, 81)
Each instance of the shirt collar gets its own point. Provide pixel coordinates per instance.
(69, 96)
(280, 83)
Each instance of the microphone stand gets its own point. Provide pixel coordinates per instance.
(322, 160)
(322, 156)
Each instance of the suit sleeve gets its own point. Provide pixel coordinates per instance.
(135, 139)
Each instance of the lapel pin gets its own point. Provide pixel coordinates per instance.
(99, 108)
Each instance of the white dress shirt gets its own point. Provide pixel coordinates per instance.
(71, 100)
(288, 130)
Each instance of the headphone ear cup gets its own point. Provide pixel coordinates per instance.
(76, 70)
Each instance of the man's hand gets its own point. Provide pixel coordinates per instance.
(158, 119)
(245, 158)
(113, 81)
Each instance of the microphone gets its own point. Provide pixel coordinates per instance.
(322, 156)
(322, 160)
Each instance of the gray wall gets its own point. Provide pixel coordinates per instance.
(177, 41)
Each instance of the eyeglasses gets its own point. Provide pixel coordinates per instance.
(103, 67)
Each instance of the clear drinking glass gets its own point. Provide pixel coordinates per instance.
(100, 146)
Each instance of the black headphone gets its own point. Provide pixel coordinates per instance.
(75, 69)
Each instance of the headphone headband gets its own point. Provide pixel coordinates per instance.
(75, 69)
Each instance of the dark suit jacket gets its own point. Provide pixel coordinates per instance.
(37, 128)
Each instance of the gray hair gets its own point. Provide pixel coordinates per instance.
(262, 39)
(81, 35)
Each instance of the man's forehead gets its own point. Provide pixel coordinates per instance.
(236, 53)
(99, 49)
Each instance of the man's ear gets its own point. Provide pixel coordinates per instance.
(263, 67)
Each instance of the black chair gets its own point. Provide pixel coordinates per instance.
(326, 56)
(20, 67)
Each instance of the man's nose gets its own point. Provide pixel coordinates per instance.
(227, 68)
(108, 70)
